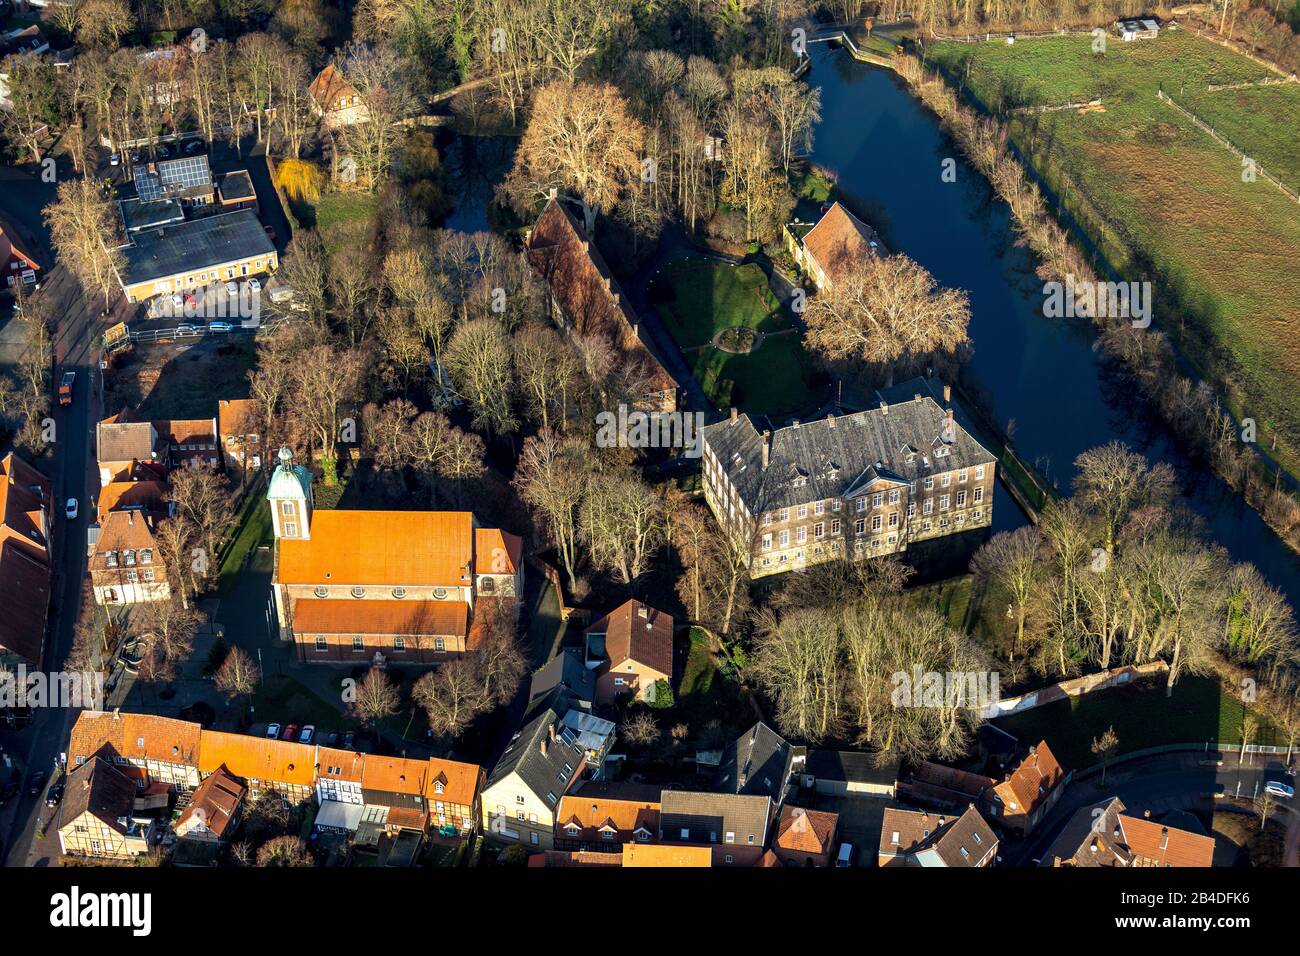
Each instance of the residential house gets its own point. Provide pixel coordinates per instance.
(336, 101)
(538, 767)
(125, 563)
(940, 786)
(567, 669)
(97, 817)
(142, 495)
(190, 442)
(26, 526)
(354, 587)
(860, 485)
(279, 766)
(837, 242)
(804, 837)
(239, 423)
(155, 749)
(759, 762)
(213, 810)
(1103, 835)
(1029, 792)
(394, 817)
(338, 789)
(847, 773)
(1137, 29)
(186, 180)
(630, 650)
(17, 263)
(587, 303)
(920, 838)
(452, 793)
(124, 441)
(597, 815)
(733, 826)
(195, 253)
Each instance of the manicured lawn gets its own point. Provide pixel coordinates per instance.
(1201, 709)
(697, 299)
(1165, 201)
(950, 597)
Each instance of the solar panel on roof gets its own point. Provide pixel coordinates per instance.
(185, 173)
(146, 184)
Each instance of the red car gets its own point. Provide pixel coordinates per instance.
(290, 732)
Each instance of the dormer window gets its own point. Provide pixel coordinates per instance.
(146, 556)
(128, 558)
(111, 559)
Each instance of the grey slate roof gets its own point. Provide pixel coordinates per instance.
(964, 842)
(851, 767)
(839, 456)
(707, 818)
(541, 772)
(756, 762)
(137, 215)
(568, 670)
(195, 246)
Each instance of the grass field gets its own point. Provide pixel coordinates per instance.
(343, 219)
(697, 299)
(1201, 709)
(1164, 201)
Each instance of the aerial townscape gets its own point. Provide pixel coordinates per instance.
(493, 435)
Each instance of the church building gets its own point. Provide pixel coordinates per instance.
(376, 587)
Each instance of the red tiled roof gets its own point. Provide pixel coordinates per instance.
(809, 831)
(351, 616)
(839, 240)
(585, 290)
(647, 640)
(1160, 845)
(410, 548)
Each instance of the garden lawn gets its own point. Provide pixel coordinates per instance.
(697, 299)
(1201, 709)
(254, 529)
(1164, 201)
(343, 219)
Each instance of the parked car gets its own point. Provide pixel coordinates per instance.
(255, 284)
(163, 152)
(194, 146)
(38, 782)
(290, 732)
(1277, 788)
(115, 160)
(232, 288)
(273, 731)
(220, 327)
(846, 855)
(348, 739)
(187, 329)
(70, 509)
(54, 796)
(331, 738)
(306, 735)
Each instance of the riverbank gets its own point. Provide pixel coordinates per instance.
(1219, 433)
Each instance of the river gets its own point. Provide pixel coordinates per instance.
(1039, 377)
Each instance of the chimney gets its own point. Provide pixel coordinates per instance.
(642, 611)
(1164, 838)
(795, 424)
(733, 413)
(130, 516)
(1146, 814)
(767, 447)
(554, 192)
(830, 421)
(949, 423)
(542, 745)
(884, 407)
(586, 246)
(947, 394)
(916, 397)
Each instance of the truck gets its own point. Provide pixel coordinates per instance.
(65, 388)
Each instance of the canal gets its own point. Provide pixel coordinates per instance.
(1041, 379)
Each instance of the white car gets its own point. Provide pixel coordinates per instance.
(1278, 789)
(255, 285)
(70, 509)
(232, 288)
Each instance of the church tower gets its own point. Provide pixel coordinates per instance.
(290, 496)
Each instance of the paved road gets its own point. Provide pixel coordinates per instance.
(71, 467)
(1160, 783)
